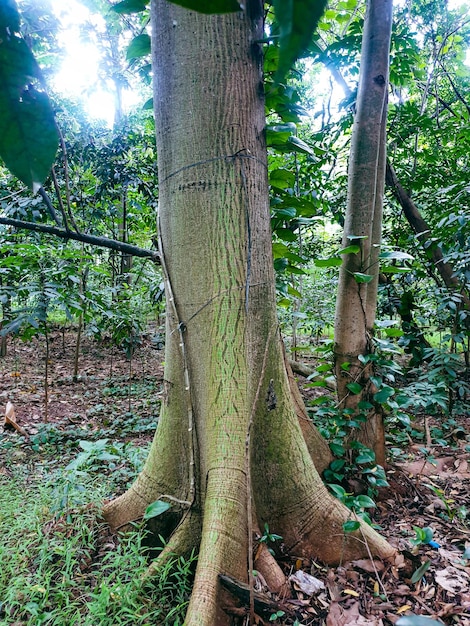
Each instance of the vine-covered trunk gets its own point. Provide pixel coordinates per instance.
(229, 452)
(357, 289)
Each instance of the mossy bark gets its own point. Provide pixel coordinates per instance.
(229, 447)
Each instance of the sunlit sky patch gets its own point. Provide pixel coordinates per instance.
(79, 74)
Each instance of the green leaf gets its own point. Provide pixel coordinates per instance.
(364, 502)
(156, 508)
(392, 269)
(393, 332)
(209, 6)
(286, 234)
(350, 526)
(139, 47)
(281, 179)
(130, 6)
(287, 128)
(9, 16)
(396, 254)
(354, 387)
(359, 277)
(337, 449)
(285, 213)
(28, 134)
(377, 381)
(384, 394)
(300, 146)
(334, 261)
(280, 264)
(297, 21)
(338, 491)
(337, 464)
(350, 250)
(419, 573)
(280, 250)
(365, 456)
(294, 292)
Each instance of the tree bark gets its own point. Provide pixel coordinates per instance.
(356, 302)
(229, 446)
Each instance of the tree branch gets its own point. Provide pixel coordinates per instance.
(102, 242)
(423, 234)
(50, 208)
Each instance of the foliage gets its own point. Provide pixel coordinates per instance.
(269, 538)
(28, 134)
(65, 570)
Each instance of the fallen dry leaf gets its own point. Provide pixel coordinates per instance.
(306, 583)
(368, 565)
(340, 616)
(452, 580)
(10, 420)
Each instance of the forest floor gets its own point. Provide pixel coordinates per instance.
(116, 401)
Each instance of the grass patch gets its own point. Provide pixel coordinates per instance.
(61, 566)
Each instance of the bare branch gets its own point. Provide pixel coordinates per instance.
(102, 242)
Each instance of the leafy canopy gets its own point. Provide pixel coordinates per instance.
(297, 19)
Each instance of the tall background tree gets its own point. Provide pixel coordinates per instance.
(358, 279)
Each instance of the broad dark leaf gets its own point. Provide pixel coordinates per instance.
(354, 387)
(9, 16)
(139, 47)
(359, 277)
(209, 6)
(130, 6)
(297, 21)
(384, 394)
(331, 262)
(148, 105)
(28, 134)
(419, 573)
(156, 508)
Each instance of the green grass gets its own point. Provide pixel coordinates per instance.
(60, 566)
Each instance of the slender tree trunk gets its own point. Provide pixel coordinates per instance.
(356, 302)
(6, 314)
(229, 447)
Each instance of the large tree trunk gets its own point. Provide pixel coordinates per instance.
(356, 302)
(229, 448)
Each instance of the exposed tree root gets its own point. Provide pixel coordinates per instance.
(317, 446)
(264, 606)
(268, 567)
